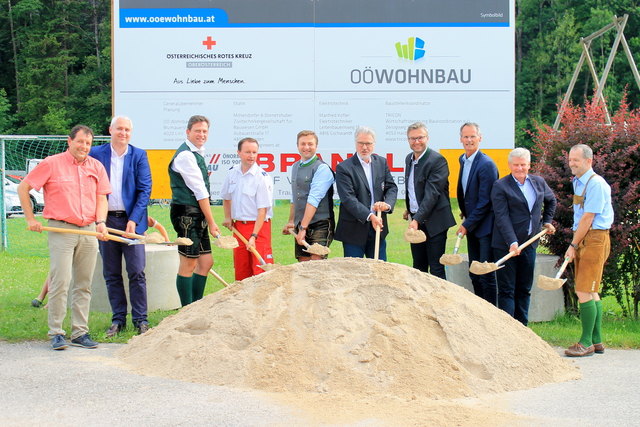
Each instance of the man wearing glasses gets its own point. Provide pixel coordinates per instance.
(426, 176)
(365, 186)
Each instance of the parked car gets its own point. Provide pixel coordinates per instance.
(11, 202)
(37, 198)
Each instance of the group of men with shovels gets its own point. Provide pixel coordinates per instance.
(501, 219)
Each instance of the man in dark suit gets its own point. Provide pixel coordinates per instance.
(365, 186)
(130, 178)
(477, 175)
(426, 176)
(522, 204)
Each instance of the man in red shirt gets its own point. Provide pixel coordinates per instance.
(75, 194)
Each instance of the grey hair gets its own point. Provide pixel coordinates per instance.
(115, 119)
(520, 153)
(360, 130)
(587, 152)
(472, 124)
(416, 126)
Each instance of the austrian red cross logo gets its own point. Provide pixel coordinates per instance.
(209, 43)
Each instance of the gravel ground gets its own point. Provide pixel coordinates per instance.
(88, 387)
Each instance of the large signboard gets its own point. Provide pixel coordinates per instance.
(268, 69)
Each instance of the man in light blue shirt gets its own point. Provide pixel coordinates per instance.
(311, 214)
(590, 246)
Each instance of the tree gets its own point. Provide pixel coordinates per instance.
(616, 158)
(547, 50)
(6, 122)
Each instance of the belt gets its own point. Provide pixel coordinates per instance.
(599, 230)
(117, 214)
(250, 222)
(186, 210)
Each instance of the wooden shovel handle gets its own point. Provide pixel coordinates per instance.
(124, 233)
(521, 247)
(292, 231)
(83, 232)
(251, 248)
(217, 276)
(376, 250)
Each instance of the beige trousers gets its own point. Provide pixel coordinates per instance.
(72, 261)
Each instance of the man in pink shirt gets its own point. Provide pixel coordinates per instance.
(75, 194)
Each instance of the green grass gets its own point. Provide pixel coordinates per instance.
(24, 266)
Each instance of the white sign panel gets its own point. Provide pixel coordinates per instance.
(270, 69)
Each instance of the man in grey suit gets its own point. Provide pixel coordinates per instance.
(365, 186)
(477, 175)
(427, 179)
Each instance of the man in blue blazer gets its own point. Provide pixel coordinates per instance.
(477, 175)
(365, 186)
(522, 205)
(130, 178)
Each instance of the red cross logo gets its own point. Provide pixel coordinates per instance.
(209, 43)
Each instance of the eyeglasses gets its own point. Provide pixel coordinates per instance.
(417, 138)
(366, 144)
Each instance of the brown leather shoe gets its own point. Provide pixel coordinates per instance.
(142, 327)
(114, 330)
(578, 350)
(598, 348)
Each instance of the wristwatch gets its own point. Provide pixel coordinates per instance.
(102, 221)
(254, 235)
(573, 245)
(302, 227)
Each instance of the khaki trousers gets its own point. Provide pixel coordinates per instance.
(72, 259)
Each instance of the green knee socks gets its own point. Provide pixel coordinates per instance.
(597, 332)
(185, 285)
(199, 282)
(588, 314)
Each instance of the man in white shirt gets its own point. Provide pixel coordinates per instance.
(247, 194)
(191, 211)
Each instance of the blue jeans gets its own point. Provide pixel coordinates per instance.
(484, 285)
(357, 251)
(112, 253)
(514, 283)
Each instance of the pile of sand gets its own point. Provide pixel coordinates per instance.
(350, 327)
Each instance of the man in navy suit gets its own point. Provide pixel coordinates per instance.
(427, 179)
(522, 204)
(365, 186)
(130, 178)
(477, 175)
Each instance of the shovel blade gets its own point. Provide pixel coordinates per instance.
(450, 259)
(481, 268)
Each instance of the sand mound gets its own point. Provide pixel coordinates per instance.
(355, 327)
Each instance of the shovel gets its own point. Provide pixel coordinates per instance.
(263, 264)
(414, 236)
(91, 233)
(153, 238)
(376, 250)
(226, 242)
(453, 259)
(487, 267)
(551, 284)
(219, 277)
(315, 249)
